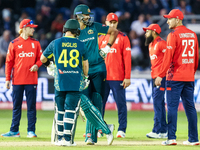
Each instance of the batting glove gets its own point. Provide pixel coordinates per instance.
(86, 82)
(51, 68)
(104, 51)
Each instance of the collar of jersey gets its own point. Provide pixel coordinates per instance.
(69, 36)
(155, 40)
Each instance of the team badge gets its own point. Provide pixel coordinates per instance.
(90, 31)
(88, 10)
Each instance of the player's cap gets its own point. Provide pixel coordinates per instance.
(154, 27)
(82, 9)
(72, 24)
(27, 23)
(175, 13)
(112, 17)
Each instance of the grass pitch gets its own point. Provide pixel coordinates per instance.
(139, 123)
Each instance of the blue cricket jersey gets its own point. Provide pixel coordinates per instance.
(89, 36)
(68, 53)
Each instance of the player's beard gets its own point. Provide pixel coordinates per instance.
(148, 40)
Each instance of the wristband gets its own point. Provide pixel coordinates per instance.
(46, 63)
(109, 44)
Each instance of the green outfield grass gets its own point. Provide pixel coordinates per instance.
(139, 123)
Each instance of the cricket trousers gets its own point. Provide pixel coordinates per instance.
(120, 99)
(17, 95)
(160, 125)
(185, 90)
(96, 86)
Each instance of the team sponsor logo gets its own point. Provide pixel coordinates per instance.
(90, 31)
(164, 50)
(64, 71)
(169, 47)
(20, 46)
(88, 39)
(41, 51)
(186, 35)
(152, 57)
(103, 25)
(113, 50)
(128, 49)
(60, 71)
(30, 54)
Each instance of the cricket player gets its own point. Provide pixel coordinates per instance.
(23, 61)
(118, 66)
(69, 78)
(157, 48)
(97, 70)
(180, 62)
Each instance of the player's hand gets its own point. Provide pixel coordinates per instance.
(126, 83)
(86, 82)
(104, 51)
(7, 84)
(158, 81)
(51, 68)
(34, 68)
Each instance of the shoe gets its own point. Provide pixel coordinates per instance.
(190, 143)
(89, 141)
(169, 142)
(163, 135)
(11, 134)
(153, 135)
(110, 136)
(68, 143)
(121, 134)
(31, 134)
(59, 142)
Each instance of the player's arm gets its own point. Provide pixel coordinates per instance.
(44, 60)
(113, 35)
(48, 53)
(127, 61)
(85, 61)
(85, 67)
(171, 45)
(9, 64)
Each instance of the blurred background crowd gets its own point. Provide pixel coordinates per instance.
(51, 15)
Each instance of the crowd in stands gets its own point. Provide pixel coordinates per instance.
(51, 15)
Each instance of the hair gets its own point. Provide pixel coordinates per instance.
(20, 31)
